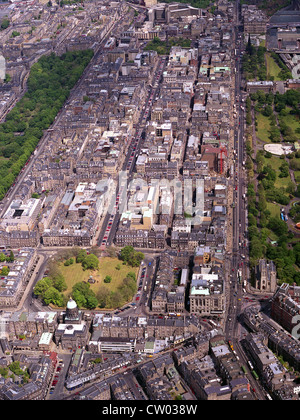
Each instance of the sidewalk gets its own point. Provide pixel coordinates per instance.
(40, 259)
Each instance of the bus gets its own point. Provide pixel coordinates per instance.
(239, 276)
(250, 365)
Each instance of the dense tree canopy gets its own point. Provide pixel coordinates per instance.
(84, 296)
(88, 261)
(270, 236)
(48, 86)
(50, 289)
(129, 255)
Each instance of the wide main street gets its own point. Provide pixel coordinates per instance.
(239, 207)
(239, 274)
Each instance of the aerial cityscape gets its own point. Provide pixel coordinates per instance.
(149, 202)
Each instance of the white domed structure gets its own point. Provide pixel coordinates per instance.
(71, 304)
(72, 312)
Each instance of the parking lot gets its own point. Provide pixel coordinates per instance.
(56, 388)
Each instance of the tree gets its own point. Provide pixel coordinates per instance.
(68, 262)
(116, 299)
(107, 279)
(256, 249)
(126, 253)
(284, 170)
(262, 204)
(79, 298)
(137, 259)
(91, 301)
(59, 283)
(250, 49)
(268, 111)
(269, 173)
(278, 226)
(4, 24)
(103, 295)
(4, 372)
(91, 262)
(130, 256)
(130, 284)
(112, 252)
(14, 34)
(15, 368)
(131, 275)
(82, 254)
(5, 271)
(82, 286)
(84, 296)
(53, 296)
(42, 286)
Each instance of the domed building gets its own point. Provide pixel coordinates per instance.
(72, 315)
(73, 329)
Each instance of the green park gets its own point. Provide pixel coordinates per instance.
(49, 84)
(273, 179)
(94, 282)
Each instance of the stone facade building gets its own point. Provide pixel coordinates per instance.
(266, 278)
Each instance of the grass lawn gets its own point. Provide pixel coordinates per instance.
(107, 267)
(297, 176)
(74, 274)
(262, 43)
(263, 128)
(275, 163)
(292, 121)
(274, 209)
(272, 67)
(267, 234)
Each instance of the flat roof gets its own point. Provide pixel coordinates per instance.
(278, 149)
(46, 338)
